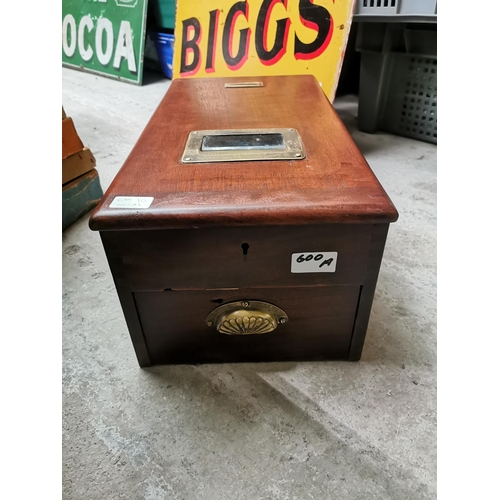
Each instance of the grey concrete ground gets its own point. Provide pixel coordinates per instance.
(336, 430)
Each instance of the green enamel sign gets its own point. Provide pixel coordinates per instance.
(105, 37)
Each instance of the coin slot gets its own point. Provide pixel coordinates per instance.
(239, 142)
(242, 85)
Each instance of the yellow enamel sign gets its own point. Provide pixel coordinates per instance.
(218, 38)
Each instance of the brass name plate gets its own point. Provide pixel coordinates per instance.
(214, 146)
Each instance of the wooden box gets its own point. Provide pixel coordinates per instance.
(245, 225)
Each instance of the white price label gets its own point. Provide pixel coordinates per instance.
(314, 262)
(131, 202)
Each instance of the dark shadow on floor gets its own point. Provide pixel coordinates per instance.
(149, 77)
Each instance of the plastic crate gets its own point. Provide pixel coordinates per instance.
(396, 8)
(398, 80)
(164, 44)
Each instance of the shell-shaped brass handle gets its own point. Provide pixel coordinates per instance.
(246, 317)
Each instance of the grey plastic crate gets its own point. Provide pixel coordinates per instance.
(396, 8)
(398, 80)
(411, 103)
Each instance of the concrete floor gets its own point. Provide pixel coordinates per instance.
(340, 430)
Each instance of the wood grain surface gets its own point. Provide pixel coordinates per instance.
(210, 258)
(333, 184)
(78, 164)
(71, 142)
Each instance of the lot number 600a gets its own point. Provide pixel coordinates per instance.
(308, 257)
(314, 262)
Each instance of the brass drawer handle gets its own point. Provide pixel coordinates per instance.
(246, 317)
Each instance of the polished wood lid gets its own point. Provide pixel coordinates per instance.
(333, 184)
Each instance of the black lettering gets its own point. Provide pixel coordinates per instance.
(190, 45)
(319, 19)
(227, 36)
(318, 257)
(272, 55)
(326, 262)
(300, 258)
(309, 257)
(212, 38)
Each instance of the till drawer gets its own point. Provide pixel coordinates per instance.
(319, 327)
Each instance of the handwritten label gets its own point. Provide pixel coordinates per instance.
(314, 262)
(131, 202)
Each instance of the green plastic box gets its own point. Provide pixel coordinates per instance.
(164, 12)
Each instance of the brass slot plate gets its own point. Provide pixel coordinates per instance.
(243, 85)
(291, 147)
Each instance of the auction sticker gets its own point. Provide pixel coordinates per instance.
(131, 202)
(314, 262)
